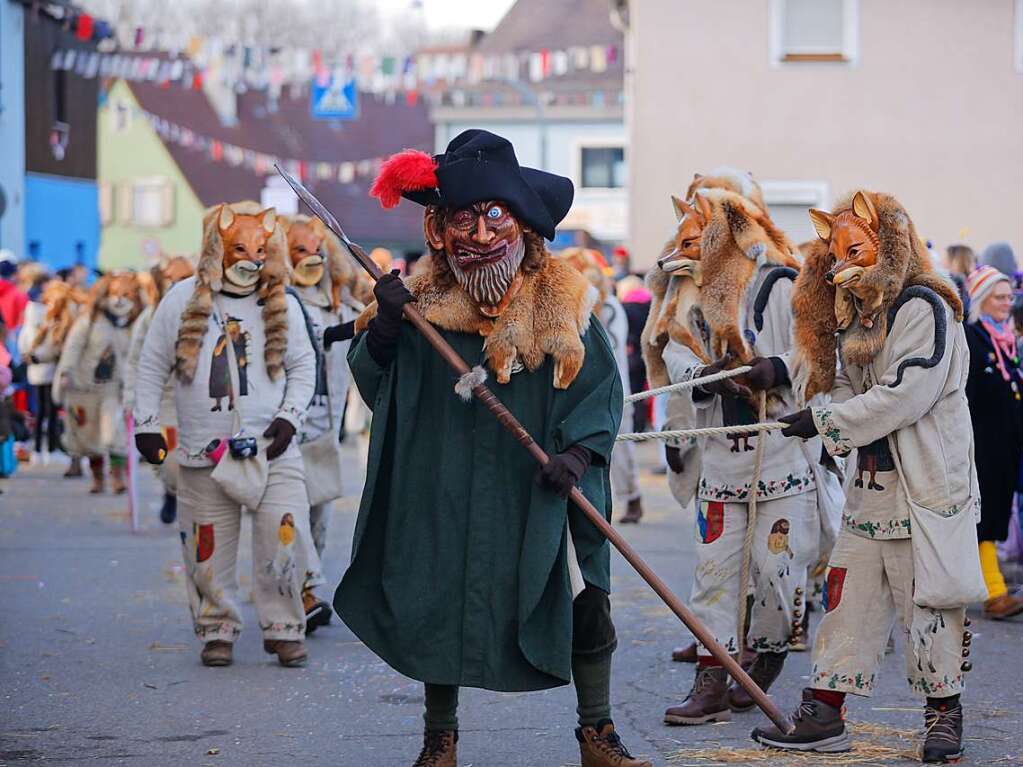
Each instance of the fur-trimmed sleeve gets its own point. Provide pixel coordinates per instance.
(907, 388)
(299, 368)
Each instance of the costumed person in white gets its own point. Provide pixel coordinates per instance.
(243, 374)
(89, 377)
(322, 277)
(745, 267)
(908, 545)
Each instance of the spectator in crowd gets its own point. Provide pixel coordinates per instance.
(12, 300)
(1000, 256)
(37, 350)
(635, 299)
(994, 390)
(960, 261)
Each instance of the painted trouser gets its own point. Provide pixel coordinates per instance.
(785, 542)
(316, 542)
(210, 524)
(95, 424)
(869, 585)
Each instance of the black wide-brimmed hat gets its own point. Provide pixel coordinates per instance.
(478, 165)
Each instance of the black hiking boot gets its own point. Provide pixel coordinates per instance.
(944, 740)
(819, 727)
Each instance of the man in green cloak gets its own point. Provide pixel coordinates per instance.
(465, 571)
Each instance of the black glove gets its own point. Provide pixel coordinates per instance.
(564, 470)
(673, 455)
(767, 373)
(726, 387)
(335, 333)
(800, 424)
(152, 447)
(391, 295)
(280, 431)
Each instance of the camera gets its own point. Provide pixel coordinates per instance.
(242, 447)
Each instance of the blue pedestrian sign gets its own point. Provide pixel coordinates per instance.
(334, 100)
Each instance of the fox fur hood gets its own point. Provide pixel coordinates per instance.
(548, 316)
(209, 279)
(340, 272)
(823, 314)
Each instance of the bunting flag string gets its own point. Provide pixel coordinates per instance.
(261, 163)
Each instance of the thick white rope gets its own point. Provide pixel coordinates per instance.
(751, 526)
(720, 376)
(709, 431)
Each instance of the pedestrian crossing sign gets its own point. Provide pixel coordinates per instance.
(334, 99)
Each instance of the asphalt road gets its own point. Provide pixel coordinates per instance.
(98, 664)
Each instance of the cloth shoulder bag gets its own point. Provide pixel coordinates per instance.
(946, 559)
(242, 479)
(321, 456)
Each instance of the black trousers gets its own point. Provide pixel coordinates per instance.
(593, 633)
(46, 418)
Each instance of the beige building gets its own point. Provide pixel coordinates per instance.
(920, 98)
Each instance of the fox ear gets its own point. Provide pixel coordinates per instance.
(703, 206)
(225, 218)
(822, 221)
(318, 227)
(268, 218)
(681, 207)
(864, 208)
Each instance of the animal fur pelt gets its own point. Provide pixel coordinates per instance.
(340, 271)
(123, 283)
(824, 314)
(62, 302)
(548, 316)
(674, 300)
(591, 265)
(734, 180)
(737, 239)
(209, 280)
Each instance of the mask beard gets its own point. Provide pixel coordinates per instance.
(309, 271)
(487, 284)
(243, 276)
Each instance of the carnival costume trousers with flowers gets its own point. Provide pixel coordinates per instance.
(210, 524)
(785, 543)
(869, 585)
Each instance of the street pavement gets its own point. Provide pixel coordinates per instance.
(98, 664)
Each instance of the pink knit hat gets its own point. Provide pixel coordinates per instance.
(980, 282)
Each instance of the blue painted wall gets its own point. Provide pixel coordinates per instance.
(61, 220)
(12, 126)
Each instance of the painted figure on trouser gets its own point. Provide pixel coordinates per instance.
(235, 309)
(164, 275)
(90, 377)
(322, 276)
(467, 571)
(907, 550)
(743, 268)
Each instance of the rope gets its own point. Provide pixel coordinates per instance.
(720, 376)
(709, 431)
(751, 526)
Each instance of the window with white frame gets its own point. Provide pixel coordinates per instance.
(602, 167)
(148, 203)
(789, 201)
(814, 31)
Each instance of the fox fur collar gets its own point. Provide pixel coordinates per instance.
(822, 313)
(548, 316)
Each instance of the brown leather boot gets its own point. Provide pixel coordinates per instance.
(600, 746)
(290, 653)
(1002, 607)
(764, 671)
(440, 749)
(685, 654)
(633, 513)
(96, 467)
(707, 701)
(117, 485)
(217, 653)
(74, 469)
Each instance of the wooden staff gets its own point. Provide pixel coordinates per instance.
(511, 423)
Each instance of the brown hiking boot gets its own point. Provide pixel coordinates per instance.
(818, 727)
(74, 469)
(685, 654)
(96, 467)
(1002, 607)
(600, 746)
(217, 653)
(633, 513)
(117, 485)
(290, 653)
(440, 749)
(764, 671)
(707, 702)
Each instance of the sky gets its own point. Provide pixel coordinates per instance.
(440, 14)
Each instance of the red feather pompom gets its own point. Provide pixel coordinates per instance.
(408, 171)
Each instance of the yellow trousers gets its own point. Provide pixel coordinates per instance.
(992, 572)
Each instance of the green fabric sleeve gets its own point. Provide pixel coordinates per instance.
(366, 373)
